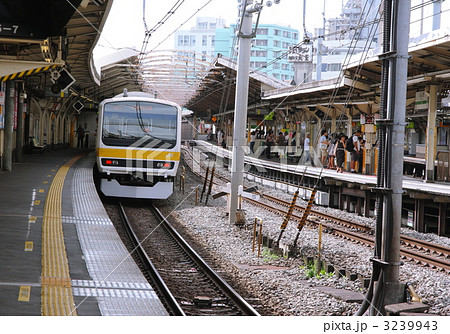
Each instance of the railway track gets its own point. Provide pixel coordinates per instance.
(193, 287)
(421, 252)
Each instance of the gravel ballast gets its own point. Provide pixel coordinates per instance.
(281, 282)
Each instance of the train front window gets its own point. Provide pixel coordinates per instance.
(139, 124)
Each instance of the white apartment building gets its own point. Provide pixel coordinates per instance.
(201, 38)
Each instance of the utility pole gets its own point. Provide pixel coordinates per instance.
(245, 35)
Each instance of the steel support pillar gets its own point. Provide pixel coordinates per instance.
(9, 125)
(442, 218)
(20, 127)
(367, 198)
(419, 210)
(430, 154)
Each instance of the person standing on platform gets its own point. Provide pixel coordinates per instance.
(269, 143)
(323, 145)
(280, 139)
(355, 151)
(80, 135)
(361, 143)
(293, 140)
(219, 137)
(306, 148)
(331, 150)
(339, 152)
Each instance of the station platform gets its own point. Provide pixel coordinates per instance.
(425, 205)
(283, 165)
(59, 252)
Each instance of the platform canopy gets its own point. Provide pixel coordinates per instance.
(217, 89)
(40, 33)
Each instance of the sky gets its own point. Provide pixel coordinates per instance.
(125, 24)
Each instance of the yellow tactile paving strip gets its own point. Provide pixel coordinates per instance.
(56, 289)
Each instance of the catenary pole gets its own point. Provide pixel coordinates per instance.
(396, 134)
(240, 113)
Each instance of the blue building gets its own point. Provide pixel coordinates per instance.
(269, 48)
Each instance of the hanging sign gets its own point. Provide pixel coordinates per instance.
(421, 102)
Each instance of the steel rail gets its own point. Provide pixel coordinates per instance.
(363, 238)
(174, 307)
(426, 259)
(427, 246)
(408, 241)
(240, 302)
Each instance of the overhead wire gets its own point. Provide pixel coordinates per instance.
(349, 94)
(182, 24)
(149, 32)
(135, 66)
(286, 53)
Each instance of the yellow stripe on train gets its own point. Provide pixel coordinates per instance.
(137, 154)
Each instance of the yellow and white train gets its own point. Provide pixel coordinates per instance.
(138, 146)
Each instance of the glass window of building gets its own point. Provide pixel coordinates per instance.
(286, 34)
(192, 40)
(262, 31)
(277, 32)
(261, 42)
(203, 25)
(276, 44)
(204, 40)
(260, 64)
(213, 40)
(334, 67)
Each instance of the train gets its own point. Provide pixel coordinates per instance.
(137, 146)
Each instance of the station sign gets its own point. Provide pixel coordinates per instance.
(421, 102)
(35, 19)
